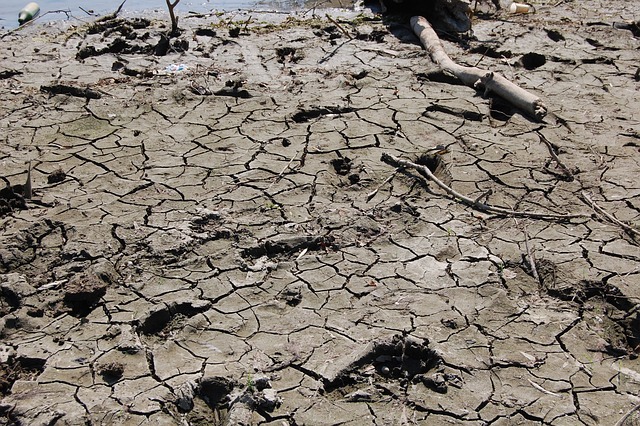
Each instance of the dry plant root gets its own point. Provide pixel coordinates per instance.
(476, 77)
(399, 162)
(630, 230)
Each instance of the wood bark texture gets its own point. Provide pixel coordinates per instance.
(476, 77)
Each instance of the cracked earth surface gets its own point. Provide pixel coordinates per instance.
(200, 247)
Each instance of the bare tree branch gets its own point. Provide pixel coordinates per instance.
(398, 162)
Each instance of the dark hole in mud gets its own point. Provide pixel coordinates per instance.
(290, 54)
(162, 317)
(83, 293)
(430, 161)
(155, 321)
(12, 199)
(376, 36)
(19, 369)
(533, 60)
(205, 32)
(111, 372)
(292, 295)
(438, 76)
(555, 35)
(342, 166)
(9, 73)
(214, 391)
(457, 112)
(399, 359)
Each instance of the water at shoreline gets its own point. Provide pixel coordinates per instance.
(9, 8)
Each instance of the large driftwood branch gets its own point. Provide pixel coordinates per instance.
(476, 77)
(398, 162)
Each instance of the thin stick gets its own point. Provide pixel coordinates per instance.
(112, 15)
(553, 154)
(172, 15)
(532, 261)
(281, 174)
(609, 216)
(398, 162)
(386, 181)
(334, 22)
(27, 189)
(484, 195)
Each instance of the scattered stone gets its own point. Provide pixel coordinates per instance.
(14, 288)
(292, 294)
(185, 395)
(267, 400)
(434, 382)
(129, 342)
(82, 293)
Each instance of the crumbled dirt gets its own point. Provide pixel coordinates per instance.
(216, 240)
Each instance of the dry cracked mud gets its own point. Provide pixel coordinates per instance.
(205, 245)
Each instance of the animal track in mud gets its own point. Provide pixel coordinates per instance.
(170, 316)
(18, 368)
(399, 359)
(622, 333)
(341, 165)
(288, 54)
(287, 246)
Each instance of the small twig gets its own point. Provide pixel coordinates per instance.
(334, 22)
(532, 261)
(27, 189)
(386, 181)
(541, 389)
(553, 154)
(398, 162)
(281, 174)
(484, 195)
(40, 16)
(88, 12)
(609, 216)
(630, 417)
(111, 15)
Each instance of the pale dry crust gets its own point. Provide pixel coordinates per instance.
(225, 239)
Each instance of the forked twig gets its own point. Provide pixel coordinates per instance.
(398, 162)
(554, 155)
(172, 15)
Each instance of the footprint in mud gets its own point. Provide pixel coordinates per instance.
(388, 364)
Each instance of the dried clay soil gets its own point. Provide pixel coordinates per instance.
(220, 243)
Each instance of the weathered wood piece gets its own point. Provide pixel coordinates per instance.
(476, 77)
